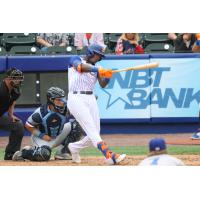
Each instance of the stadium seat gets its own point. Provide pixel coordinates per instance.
(106, 38)
(61, 50)
(82, 51)
(159, 48)
(1, 36)
(149, 38)
(71, 50)
(113, 37)
(2, 51)
(108, 51)
(18, 39)
(56, 50)
(142, 39)
(24, 50)
(156, 37)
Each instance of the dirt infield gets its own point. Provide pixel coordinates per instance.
(130, 139)
(116, 140)
(190, 160)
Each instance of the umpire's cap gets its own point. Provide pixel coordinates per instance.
(95, 49)
(157, 144)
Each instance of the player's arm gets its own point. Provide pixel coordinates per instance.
(34, 131)
(43, 42)
(32, 125)
(11, 112)
(77, 64)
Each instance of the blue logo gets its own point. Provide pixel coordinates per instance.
(140, 89)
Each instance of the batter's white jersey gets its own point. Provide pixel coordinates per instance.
(81, 81)
(161, 160)
(83, 106)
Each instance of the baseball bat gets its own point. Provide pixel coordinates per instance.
(138, 67)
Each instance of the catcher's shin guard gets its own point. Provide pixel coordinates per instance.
(42, 153)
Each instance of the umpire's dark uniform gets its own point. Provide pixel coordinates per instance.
(7, 98)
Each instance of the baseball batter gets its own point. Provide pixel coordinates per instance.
(158, 155)
(83, 74)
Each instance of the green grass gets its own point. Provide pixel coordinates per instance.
(137, 150)
(143, 150)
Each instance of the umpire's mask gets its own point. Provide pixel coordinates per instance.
(16, 76)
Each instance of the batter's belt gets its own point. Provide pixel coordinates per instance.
(83, 92)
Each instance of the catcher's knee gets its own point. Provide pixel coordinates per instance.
(75, 135)
(42, 153)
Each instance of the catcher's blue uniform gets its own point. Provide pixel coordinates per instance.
(47, 121)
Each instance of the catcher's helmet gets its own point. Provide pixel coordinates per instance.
(16, 76)
(95, 49)
(52, 94)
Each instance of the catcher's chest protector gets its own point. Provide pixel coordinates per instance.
(52, 122)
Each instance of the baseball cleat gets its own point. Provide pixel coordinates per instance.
(115, 159)
(18, 156)
(63, 156)
(75, 155)
(196, 136)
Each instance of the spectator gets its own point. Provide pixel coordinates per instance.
(172, 36)
(158, 155)
(183, 42)
(128, 43)
(85, 39)
(196, 46)
(52, 39)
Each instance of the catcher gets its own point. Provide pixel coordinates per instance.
(49, 130)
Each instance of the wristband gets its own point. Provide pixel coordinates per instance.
(94, 69)
(37, 133)
(41, 135)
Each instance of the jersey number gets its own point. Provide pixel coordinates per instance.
(155, 161)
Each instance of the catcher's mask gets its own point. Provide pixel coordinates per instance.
(16, 76)
(57, 98)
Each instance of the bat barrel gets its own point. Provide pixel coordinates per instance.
(139, 67)
(152, 65)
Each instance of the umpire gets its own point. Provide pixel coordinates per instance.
(9, 93)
